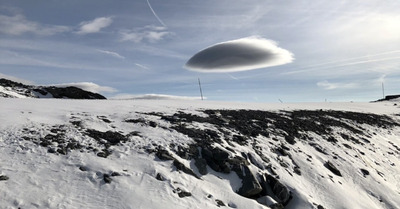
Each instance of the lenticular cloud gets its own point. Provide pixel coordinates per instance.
(239, 55)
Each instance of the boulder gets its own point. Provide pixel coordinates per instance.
(107, 178)
(217, 159)
(181, 167)
(250, 185)
(329, 165)
(275, 189)
(3, 178)
(201, 165)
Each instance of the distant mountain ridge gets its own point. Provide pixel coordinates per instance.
(12, 89)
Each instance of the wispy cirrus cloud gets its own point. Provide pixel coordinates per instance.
(94, 26)
(150, 34)
(331, 86)
(18, 24)
(114, 54)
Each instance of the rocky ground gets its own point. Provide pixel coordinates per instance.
(268, 150)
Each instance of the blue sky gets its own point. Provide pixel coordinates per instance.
(343, 50)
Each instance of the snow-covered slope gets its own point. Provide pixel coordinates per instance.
(192, 154)
(11, 89)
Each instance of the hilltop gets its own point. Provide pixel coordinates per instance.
(12, 89)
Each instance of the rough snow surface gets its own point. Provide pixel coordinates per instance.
(38, 178)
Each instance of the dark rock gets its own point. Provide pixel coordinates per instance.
(113, 138)
(189, 152)
(290, 139)
(163, 154)
(45, 143)
(332, 139)
(4, 178)
(51, 150)
(201, 165)
(320, 207)
(160, 177)
(297, 170)
(107, 178)
(275, 189)
(329, 165)
(318, 148)
(153, 124)
(76, 123)
(182, 193)
(347, 146)
(220, 203)
(183, 168)
(105, 153)
(217, 159)
(62, 150)
(114, 173)
(219, 154)
(281, 151)
(364, 172)
(83, 168)
(104, 119)
(72, 93)
(250, 185)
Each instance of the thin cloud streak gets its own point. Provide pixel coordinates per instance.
(355, 58)
(322, 67)
(142, 66)
(114, 54)
(155, 14)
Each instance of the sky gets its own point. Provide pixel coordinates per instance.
(341, 50)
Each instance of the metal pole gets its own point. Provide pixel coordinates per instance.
(201, 92)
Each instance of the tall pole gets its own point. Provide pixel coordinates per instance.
(201, 92)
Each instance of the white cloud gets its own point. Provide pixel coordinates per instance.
(330, 86)
(95, 25)
(114, 54)
(89, 86)
(239, 55)
(151, 34)
(18, 25)
(153, 97)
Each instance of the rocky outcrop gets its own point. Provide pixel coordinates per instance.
(228, 142)
(70, 92)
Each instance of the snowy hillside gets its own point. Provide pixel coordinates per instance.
(198, 154)
(11, 89)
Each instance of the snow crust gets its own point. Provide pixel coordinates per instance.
(39, 179)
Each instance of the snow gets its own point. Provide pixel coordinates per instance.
(39, 179)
